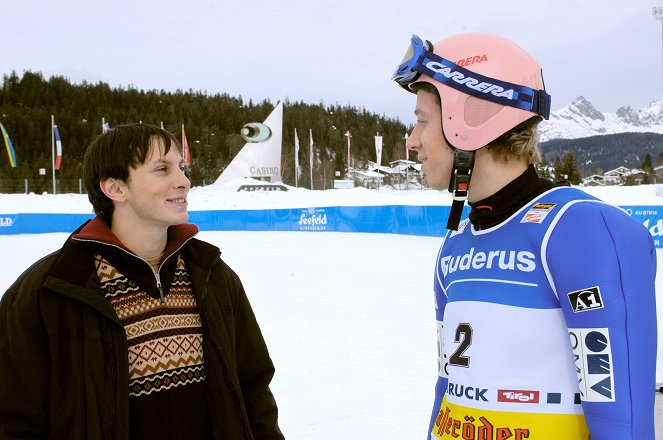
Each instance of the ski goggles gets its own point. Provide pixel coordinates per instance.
(420, 60)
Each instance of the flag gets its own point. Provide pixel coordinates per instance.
(186, 157)
(104, 126)
(58, 147)
(349, 151)
(311, 155)
(407, 152)
(10, 147)
(378, 149)
(298, 170)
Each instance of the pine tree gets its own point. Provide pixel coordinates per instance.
(558, 169)
(570, 168)
(648, 168)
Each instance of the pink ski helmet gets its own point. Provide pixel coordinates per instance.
(487, 85)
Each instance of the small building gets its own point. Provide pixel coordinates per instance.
(594, 180)
(368, 178)
(658, 173)
(382, 169)
(616, 176)
(619, 176)
(636, 176)
(403, 166)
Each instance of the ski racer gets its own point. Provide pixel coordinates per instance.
(545, 300)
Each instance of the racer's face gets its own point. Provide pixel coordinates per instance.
(427, 140)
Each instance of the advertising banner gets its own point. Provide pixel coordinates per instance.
(392, 219)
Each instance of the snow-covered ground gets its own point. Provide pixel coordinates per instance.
(348, 318)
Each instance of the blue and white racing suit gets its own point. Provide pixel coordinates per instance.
(547, 325)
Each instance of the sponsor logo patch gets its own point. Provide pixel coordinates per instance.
(502, 259)
(471, 60)
(467, 392)
(448, 72)
(593, 361)
(474, 425)
(586, 299)
(518, 396)
(538, 212)
(313, 219)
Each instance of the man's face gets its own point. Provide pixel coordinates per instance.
(155, 193)
(435, 155)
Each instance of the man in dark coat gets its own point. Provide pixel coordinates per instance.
(134, 328)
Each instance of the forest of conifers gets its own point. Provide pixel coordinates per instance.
(212, 124)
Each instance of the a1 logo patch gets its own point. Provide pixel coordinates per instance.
(586, 299)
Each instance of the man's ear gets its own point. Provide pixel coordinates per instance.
(113, 188)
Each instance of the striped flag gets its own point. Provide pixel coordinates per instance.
(378, 150)
(349, 151)
(298, 169)
(311, 155)
(186, 157)
(58, 147)
(407, 151)
(10, 147)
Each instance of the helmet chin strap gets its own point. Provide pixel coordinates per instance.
(459, 184)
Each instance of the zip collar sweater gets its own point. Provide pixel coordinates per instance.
(96, 233)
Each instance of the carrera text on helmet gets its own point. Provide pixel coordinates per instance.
(470, 82)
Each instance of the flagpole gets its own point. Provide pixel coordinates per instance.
(407, 164)
(311, 155)
(185, 147)
(349, 154)
(53, 151)
(378, 154)
(296, 160)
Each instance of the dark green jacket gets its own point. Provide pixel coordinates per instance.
(63, 352)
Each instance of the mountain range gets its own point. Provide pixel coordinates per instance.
(603, 141)
(581, 119)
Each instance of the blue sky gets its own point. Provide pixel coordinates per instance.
(337, 51)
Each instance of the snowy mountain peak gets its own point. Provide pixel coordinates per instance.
(628, 115)
(581, 119)
(583, 108)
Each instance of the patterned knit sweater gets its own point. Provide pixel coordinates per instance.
(167, 387)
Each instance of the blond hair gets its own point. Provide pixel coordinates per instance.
(521, 142)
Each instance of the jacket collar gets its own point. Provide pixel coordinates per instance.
(500, 206)
(72, 272)
(96, 230)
